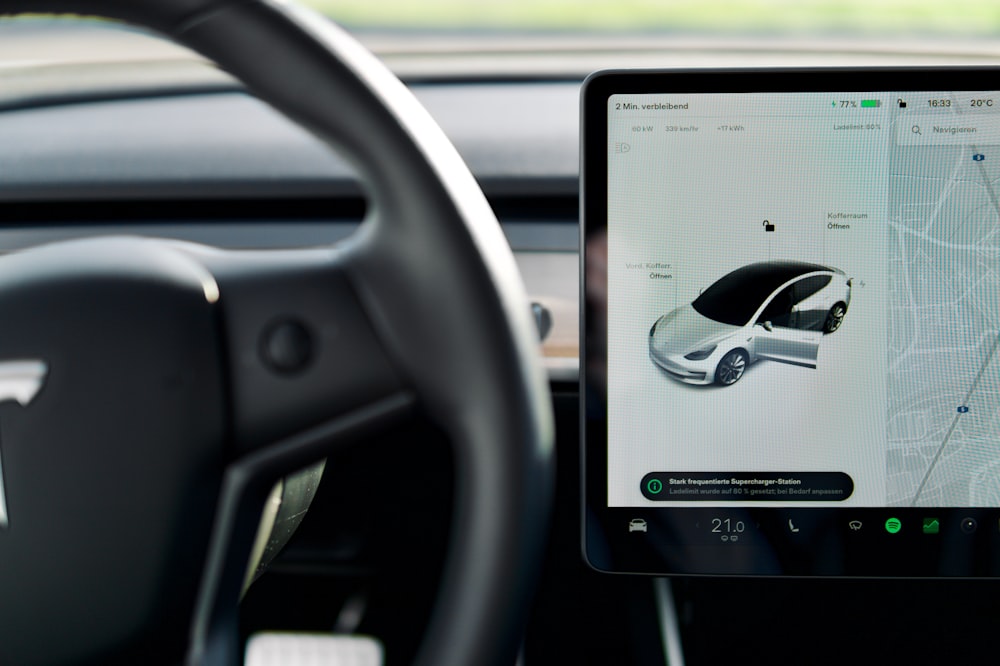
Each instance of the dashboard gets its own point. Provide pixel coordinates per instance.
(195, 158)
(261, 182)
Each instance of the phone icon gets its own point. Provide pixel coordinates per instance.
(792, 526)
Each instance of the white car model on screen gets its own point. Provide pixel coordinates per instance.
(777, 310)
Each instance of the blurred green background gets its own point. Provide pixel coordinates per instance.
(851, 17)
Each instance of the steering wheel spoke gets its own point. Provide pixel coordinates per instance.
(300, 349)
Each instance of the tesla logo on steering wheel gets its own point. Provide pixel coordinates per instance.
(19, 381)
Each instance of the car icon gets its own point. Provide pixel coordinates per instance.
(776, 310)
(637, 525)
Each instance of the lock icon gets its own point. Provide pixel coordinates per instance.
(768, 226)
(901, 103)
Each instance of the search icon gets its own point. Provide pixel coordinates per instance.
(916, 130)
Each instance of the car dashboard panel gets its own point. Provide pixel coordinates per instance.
(232, 172)
(791, 322)
(199, 160)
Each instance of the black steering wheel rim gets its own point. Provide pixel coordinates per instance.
(435, 277)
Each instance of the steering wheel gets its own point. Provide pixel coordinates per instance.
(159, 389)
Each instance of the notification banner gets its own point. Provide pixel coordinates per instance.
(747, 486)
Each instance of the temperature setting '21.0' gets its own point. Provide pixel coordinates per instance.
(728, 530)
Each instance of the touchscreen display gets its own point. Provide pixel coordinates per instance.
(793, 313)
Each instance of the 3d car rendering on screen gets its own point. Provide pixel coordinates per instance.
(776, 310)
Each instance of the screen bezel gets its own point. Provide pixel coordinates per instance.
(823, 545)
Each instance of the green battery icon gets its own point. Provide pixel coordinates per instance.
(870, 103)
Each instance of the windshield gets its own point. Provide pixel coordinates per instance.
(758, 17)
(489, 40)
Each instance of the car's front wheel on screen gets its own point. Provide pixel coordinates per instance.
(731, 367)
(834, 318)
